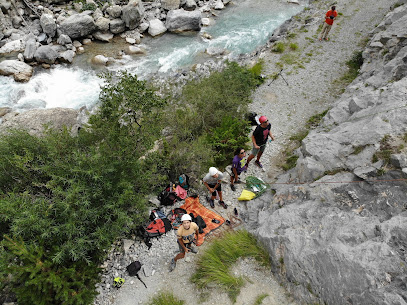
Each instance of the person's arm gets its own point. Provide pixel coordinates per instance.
(271, 135)
(207, 186)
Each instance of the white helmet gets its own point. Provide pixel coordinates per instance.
(186, 217)
(213, 171)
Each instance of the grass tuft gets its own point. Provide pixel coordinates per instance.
(165, 298)
(279, 47)
(260, 298)
(214, 265)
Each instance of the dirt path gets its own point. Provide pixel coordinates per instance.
(310, 91)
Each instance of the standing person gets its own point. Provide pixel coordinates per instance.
(186, 234)
(212, 181)
(259, 139)
(330, 16)
(238, 166)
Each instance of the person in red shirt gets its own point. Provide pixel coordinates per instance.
(330, 16)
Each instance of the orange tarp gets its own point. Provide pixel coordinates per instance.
(192, 205)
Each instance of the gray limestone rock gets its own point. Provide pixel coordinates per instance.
(106, 36)
(156, 27)
(132, 13)
(102, 24)
(67, 56)
(64, 40)
(77, 26)
(399, 160)
(117, 26)
(30, 47)
(114, 11)
(181, 20)
(18, 69)
(190, 5)
(46, 54)
(48, 25)
(170, 4)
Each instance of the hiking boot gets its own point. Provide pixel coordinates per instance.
(222, 203)
(211, 203)
(258, 164)
(235, 211)
(193, 250)
(173, 265)
(233, 187)
(238, 182)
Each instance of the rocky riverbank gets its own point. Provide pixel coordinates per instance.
(50, 32)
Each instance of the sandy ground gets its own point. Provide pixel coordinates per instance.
(288, 107)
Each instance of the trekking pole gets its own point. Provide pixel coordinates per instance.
(276, 76)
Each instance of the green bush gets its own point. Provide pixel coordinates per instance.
(214, 265)
(64, 199)
(293, 46)
(279, 47)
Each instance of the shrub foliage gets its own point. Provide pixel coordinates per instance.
(65, 199)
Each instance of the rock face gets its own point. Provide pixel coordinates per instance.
(331, 240)
(181, 20)
(132, 13)
(20, 70)
(77, 26)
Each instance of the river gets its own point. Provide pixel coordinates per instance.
(240, 28)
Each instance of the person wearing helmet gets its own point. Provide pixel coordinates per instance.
(212, 181)
(187, 234)
(259, 139)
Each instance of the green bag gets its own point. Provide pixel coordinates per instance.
(256, 185)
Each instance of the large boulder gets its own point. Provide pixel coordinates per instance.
(64, 40)
(157, 27)
(132, 13)
(18, 69)
(48, 25)
(13, 46)
(77, 26)
(30, 47)
(34, 120)
(181, 20)
(46, 54)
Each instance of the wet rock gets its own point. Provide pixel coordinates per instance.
(4, 111)
(46, 54)
(117, 26)
(21, 71)
(143, 27)
(130, 40)
(134, 50)
(106, 37)
(181, 20)
(100, 60)
(219, 5)
(67, 56)
(132, 13)
(156, 27)
(77, 26)
(48, 25)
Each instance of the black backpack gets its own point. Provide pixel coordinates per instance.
(133, 270)
(167, 196)
(199, 221)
